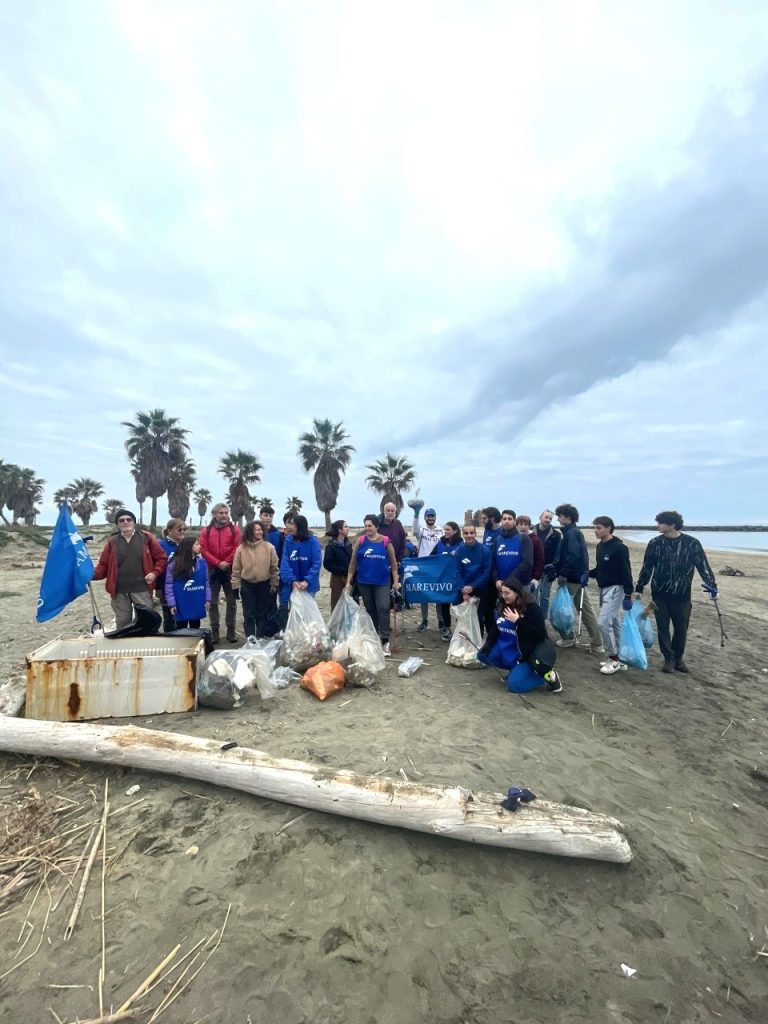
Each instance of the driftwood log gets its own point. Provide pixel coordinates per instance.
(455, 812)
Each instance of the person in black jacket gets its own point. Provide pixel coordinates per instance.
(551, 539)
(669, 562)
(614, 580)
(572, 571)
(338, 555)
(518, 641)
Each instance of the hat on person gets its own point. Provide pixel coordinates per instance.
(124, 512)
(430, 512)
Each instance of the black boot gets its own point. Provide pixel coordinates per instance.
(668, 666)
(680, 666)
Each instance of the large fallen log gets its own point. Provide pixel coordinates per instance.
(474, 817)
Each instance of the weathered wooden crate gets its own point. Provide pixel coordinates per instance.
(73, 680)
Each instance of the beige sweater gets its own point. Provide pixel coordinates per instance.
(255, 563)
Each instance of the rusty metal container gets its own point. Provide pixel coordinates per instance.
(74, 680)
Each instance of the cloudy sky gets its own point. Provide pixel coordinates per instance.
(525, 245)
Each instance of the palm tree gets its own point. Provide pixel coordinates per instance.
(9, 473)
(326, 453)
(389, 476)
(81, 495)
(110, 507)
(64, 496)
(293, 505)
(240, 468)
(155, 445)
(141, 494)
(203, 499)
(181, 483)
(262, 502)
(26, 491)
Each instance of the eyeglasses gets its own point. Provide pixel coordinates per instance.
(125, 519)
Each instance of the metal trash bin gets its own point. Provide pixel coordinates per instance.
(71, 680)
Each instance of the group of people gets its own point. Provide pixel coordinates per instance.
(510, 570)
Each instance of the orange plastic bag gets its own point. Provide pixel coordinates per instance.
(324, 679)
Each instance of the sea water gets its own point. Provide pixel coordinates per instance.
(715, 540)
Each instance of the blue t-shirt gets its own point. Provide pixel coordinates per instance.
(189, 594)
(506, 642)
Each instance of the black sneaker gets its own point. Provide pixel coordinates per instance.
(231, 639)
(554, 685)
(422, 626)
(668, 666)
(445, 633)
(680, 666)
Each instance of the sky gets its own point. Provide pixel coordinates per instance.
(524, 245)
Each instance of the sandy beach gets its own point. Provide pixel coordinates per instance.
(334, 921)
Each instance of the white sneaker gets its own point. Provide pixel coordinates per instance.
(611, 666)
(566, 643)
(386, 650)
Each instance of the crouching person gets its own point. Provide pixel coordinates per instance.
(518, 642)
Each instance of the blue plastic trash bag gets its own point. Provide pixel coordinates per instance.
(631, 648)
(562, 612)
(644, 624)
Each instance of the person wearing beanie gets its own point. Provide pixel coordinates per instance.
(131, 562)
(427, 537)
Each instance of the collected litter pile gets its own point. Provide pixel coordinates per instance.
(226, 675)
(322, 658)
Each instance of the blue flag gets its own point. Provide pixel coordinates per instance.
(431, 579)
(67, 571)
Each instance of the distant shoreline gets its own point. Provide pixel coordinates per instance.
(705, 529)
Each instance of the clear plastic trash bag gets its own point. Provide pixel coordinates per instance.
(466, 639)
(365, 659)
(562, 612)
(343, 617)
(410, 666)
(216, 684)
(306, 641)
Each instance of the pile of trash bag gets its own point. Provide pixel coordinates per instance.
(306, 641)
(466, 639)
(226, 675)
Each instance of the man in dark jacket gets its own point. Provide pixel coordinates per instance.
(550, 538)
(614, 580)
(390, 526)
(131, 562)
(571, 570)
(668, 565)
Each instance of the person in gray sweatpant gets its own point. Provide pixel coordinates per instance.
(614, 578)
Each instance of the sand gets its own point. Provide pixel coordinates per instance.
(341, 921)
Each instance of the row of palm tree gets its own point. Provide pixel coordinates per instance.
(20, 491)
(161, 464)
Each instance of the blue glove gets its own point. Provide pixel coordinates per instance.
(626, 604)
(584, 579)
(561, 581)
(710, 589)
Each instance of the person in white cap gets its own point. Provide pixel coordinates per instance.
(427, 537)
